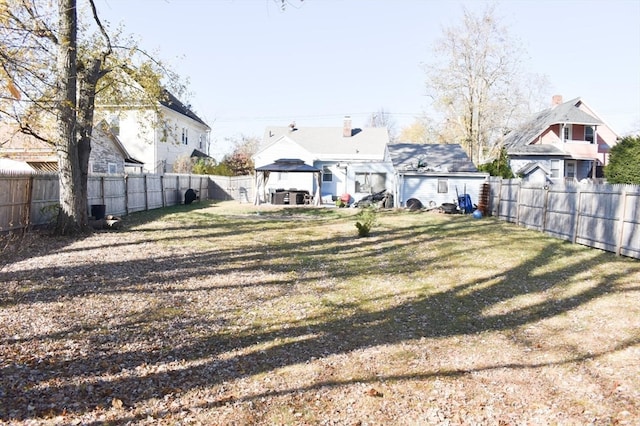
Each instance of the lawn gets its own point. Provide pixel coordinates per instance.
(232, 314)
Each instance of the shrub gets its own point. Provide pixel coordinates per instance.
(624, 162)
(366, 220)
(499, 166)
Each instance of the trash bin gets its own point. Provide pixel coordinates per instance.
(98, 211)
(190, 196)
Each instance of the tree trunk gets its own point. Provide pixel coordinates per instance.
(73, 215)
(89, 77)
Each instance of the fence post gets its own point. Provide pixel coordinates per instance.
(164, 204)
(126, 194)
(102, 189)
(545, 208)
(621, 222)
(27, 213)
(498, 198)
(518, 203)
(146, 192)
(576, 221)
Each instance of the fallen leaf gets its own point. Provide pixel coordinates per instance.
(116, 403)
(375, 393)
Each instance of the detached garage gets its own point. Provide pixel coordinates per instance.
(434, 174)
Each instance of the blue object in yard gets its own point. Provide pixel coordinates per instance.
(477, 214)
(464, 203)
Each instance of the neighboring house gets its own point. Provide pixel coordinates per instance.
(434, 174)
(180, 132)
(26, 152)
(353, 161)
(566, 141)
(107, 153)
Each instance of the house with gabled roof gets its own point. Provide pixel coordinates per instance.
(158, 137)
(23, 152)
(434, 174)
(353, 161)
(28, 153)
(109, 155)
(566, 141)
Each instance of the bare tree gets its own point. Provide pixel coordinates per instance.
(421, 131)
(382, 118)
(475, 81)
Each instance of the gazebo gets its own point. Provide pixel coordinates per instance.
(290, 165)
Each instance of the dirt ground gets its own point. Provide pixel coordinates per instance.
(236, 320)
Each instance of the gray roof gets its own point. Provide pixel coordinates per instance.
(173, 103)
(567, 112)
(329, 141)
(533, 165)
(537, 149)
(287, 165)
(430, 157)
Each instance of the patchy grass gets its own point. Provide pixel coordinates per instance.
(224, 313)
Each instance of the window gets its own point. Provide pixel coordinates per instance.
(443, 186)
(571, 169)
(370, 182)
(185, 136)
(112, 168)
(588, 134)
(200, 141)
(567, 136)
(555, 169)
(327, 175)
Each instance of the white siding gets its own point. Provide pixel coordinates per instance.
(138, 138)
(425, 189)
(147, 142)
(284, 148)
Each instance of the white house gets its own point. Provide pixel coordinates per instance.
(353, 161)
(158, 139)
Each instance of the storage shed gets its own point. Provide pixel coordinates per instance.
(434, 174)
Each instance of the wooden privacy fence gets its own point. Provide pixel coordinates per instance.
(239, 188)
(602, 216)
(32, 199)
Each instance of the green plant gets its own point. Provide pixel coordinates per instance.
(366, 221)
(499, 166)
(624, 162)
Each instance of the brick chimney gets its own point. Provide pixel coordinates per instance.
(556, 100)
(346, 128)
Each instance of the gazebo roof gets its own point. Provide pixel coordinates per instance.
(288, 165)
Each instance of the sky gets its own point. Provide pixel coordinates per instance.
(251, 65)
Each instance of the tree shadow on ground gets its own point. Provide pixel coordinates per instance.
(459, 309)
